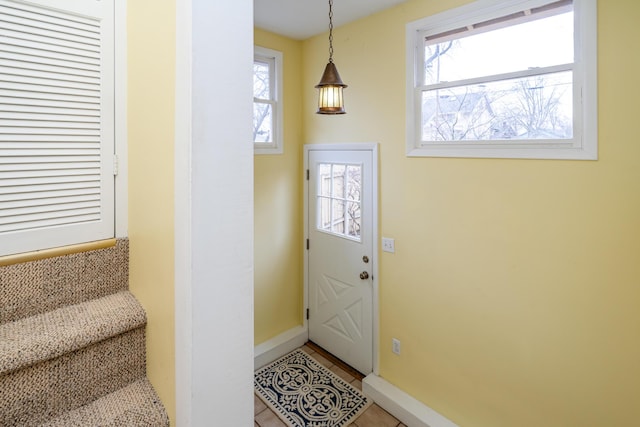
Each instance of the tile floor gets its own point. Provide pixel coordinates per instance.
(374, 416)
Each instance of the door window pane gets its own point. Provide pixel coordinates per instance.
(353, 182)
(338, 180)
(338, 199)
(353, 215)
(337, 225)
(324, 216)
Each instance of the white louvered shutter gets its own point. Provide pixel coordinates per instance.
(56, 123)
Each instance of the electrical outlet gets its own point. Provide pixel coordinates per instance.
(388, 245)
(395, 346)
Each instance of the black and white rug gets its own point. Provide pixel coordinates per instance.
(306, 394)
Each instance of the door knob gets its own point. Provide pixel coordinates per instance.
(364, 275)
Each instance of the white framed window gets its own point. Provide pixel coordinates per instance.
(504, 79)
(57, 124)
(267, 101)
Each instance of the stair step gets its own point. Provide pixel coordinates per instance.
(40, 392)
(72, 344)
(48, 335)
(135, 405)
(33, 287)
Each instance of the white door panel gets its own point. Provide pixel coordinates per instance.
(340, 209)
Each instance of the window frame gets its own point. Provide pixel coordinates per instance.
(275, 59)
(583, 145)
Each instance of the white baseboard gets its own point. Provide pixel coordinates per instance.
(278, 346)
(401, 405)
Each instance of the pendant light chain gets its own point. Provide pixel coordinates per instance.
(330, 98)
(330, 30)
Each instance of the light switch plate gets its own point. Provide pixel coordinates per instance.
(388, 245)
(395, 346)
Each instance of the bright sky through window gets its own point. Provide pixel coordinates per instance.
(504, 79)
(507, 79)
(538, 43)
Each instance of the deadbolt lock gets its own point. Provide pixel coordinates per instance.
(365, 259)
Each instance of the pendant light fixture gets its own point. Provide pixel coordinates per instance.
(330, 99)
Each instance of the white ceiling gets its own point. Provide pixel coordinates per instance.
(301, 19)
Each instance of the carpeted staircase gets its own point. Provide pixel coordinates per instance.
(72, 344)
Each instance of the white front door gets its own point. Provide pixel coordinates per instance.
(340, 254)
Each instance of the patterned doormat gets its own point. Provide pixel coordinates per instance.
(306, 394)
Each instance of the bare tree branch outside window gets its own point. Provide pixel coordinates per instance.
(262, 112)
(523, 108)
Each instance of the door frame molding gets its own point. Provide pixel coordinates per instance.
(371, 147)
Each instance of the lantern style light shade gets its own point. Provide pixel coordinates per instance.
(330, 99)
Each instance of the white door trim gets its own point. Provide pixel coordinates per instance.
(364, 146)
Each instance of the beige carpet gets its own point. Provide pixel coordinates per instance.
(72, 344)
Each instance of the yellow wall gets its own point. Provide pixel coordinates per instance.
(151, 76)
(278, 208)
(515, 285)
